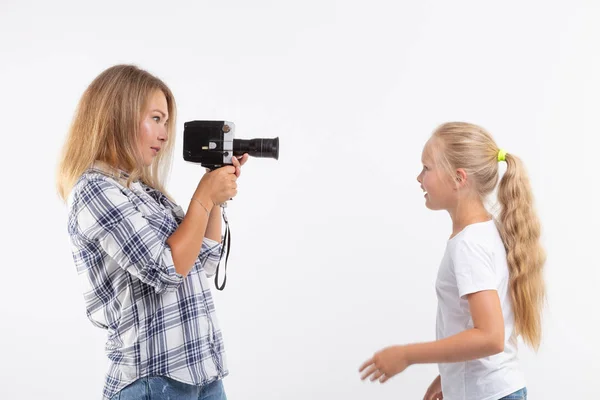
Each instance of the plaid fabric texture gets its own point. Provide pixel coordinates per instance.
(158, 323)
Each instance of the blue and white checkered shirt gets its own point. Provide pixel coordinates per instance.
(157, 321)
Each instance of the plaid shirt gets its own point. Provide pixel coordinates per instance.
(157, 321)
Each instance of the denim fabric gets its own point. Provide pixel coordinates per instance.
(163, 388)
(518, 395)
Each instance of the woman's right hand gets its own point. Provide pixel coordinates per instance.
(434, 392)
(218, 186)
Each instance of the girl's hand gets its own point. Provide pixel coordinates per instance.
(434, 392)
(385, 364)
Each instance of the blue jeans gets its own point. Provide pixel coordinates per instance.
(518, 395)
(163, 388)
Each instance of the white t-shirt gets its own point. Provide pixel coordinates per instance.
(475, 260)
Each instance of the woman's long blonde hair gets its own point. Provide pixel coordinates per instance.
(470, 147)
(106, 128)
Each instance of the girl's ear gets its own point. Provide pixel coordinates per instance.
(461, 178)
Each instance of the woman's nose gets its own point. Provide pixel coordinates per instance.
(163, 136)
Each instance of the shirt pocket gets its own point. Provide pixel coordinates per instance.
(160, 219)
(162, 222)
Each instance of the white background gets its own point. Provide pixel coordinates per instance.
(334, 255)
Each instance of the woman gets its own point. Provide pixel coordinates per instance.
(144, 264)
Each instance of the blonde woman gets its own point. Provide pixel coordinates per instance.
(490, 286)
(143, 263)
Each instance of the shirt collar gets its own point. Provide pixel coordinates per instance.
(107, 169)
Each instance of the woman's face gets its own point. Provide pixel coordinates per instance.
(153, 127)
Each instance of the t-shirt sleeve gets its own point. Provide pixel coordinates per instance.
(474, 268)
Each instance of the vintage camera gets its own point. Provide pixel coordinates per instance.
(213, 144)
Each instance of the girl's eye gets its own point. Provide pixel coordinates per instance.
(156, 118)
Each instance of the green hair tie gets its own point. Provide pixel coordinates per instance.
(502, 155)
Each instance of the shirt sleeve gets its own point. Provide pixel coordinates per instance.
(210, 255)
(474, 268)
(106, 216)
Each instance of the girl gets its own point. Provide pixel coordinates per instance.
(489, 287)
(143, 263)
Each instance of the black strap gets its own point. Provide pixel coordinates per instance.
(226, 242)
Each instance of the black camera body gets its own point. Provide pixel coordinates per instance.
(213, 144)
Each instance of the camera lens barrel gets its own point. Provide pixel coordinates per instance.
(263, 148)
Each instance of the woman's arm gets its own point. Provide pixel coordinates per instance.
(203, 219)
(213, 229)
(186, 241)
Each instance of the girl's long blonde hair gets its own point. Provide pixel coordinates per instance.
(470, 147)
(106, 125)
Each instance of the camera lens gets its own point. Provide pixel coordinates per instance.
(264, 148)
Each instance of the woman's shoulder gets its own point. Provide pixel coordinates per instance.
(93, 184)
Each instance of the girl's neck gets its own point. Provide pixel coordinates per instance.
(467, 213)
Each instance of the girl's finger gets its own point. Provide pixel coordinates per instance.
(365, 364)
(369, 371)
(378, 374)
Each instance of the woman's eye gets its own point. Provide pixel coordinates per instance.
(156, 118)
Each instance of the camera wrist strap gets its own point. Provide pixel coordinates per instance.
(226, 243)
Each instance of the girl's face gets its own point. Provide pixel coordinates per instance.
(441, 193)
(153, 127)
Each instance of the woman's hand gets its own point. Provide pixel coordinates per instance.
(220, 185)
(240, 159)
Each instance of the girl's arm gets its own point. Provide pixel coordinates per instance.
(484, 339)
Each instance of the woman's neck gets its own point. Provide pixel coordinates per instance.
(466, 213)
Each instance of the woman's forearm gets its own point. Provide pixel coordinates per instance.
(213, 229)
(186, 241)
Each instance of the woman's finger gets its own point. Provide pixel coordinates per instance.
(237, 165)
(243, 159)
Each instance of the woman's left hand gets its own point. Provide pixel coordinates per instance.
(385, 364)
